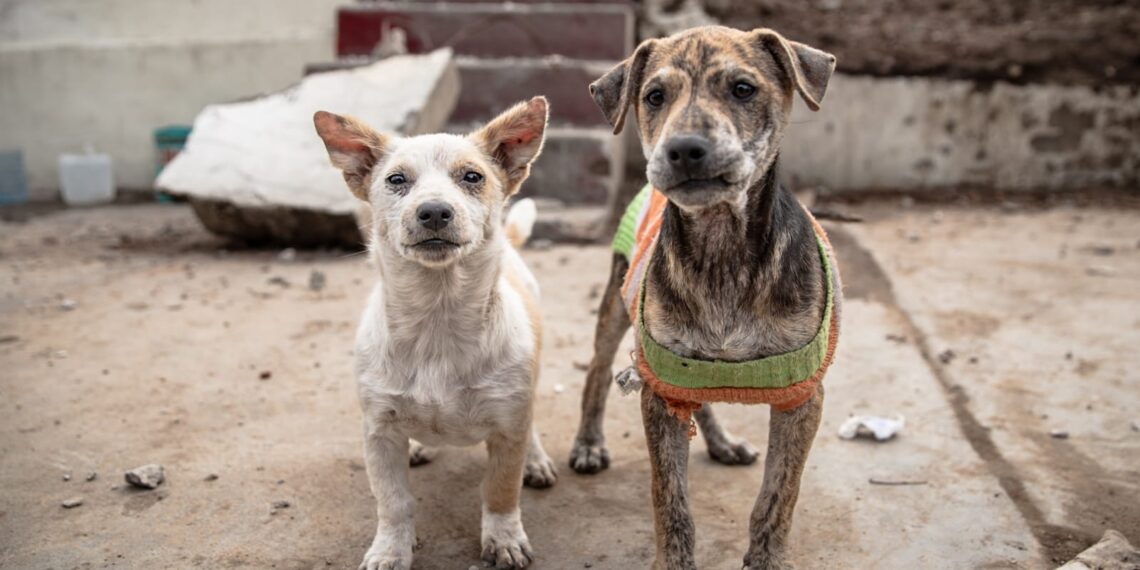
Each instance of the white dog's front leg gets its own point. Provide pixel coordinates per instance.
(505, 543)
(386, 458)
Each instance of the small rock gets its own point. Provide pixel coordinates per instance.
(1102, 250)
(281, 504)
(91, 477)
(9, 338)
(148, 476)
(588, 565)
(1059, 434)
(72, 502)
(316, 280)
(265, 375)
(625, 435)
(279, 281)
(1135, 425)
(947, 356)
(581, 366)
(211, 477)
(1100, 271)
(67, 476)
(559, 388)
(541, 244)
(899, 338)
(68, 304)
(287, 254)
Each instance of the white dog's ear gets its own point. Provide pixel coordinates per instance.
(514, 139)
(809, 69)
(353, 147)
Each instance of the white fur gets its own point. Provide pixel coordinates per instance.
(445, 351)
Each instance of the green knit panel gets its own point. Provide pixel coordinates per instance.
(777, 371)
(627, 230)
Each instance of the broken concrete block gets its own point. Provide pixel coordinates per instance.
(257, 171)
(1113, 552)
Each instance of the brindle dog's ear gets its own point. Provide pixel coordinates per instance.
(810, 69)
(615, 91)
(353, 148)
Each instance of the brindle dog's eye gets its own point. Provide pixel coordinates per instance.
(655, 98)
(472, 177)
(396, 179)
(743, 91)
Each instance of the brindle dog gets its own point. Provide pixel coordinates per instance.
(737, 274)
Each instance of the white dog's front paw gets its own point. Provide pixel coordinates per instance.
(385, 561)
(539, 472)
(504, 541)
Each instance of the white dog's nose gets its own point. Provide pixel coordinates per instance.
(434, 215)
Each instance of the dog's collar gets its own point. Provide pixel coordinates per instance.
(776, 371)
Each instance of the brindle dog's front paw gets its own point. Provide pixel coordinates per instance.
(540, 472)
(733, 452)
(766, 561)
(587, 458)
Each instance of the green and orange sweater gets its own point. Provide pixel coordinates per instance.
(784, 381)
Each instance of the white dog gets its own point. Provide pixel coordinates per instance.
(448, 349)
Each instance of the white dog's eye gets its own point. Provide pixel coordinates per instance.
(472, 177)
(396, 179)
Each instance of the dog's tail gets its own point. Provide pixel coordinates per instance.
(520, 222)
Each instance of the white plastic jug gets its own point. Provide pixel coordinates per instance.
(86, 179)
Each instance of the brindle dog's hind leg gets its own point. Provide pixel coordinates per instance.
(790, 435)
(589, 454)
(723, 446)
(668, 442)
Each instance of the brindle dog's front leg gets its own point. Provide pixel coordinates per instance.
(790, 435)
(668, 442)
(589, 453)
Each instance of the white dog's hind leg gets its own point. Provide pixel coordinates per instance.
(386, 459)
(540, 472)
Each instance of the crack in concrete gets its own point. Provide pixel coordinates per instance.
(1058, 543)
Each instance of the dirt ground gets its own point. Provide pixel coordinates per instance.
(130, 336)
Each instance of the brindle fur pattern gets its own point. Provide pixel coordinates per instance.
(736, 275)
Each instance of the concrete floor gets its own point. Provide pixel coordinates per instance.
(161, 360)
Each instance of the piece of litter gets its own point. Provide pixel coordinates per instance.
(875, 481)
(72, 502)
(629, 380)
(559, 388)
(881, 428)
(1058, 434)
(1112, 551)
(316, 280)
(148, 476)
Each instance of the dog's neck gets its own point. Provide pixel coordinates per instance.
(456, 298)
(730, 268)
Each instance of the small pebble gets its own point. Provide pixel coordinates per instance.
(1059, 434)
(68, 304)
(72, 502)
(287, 254)
(265, 375)
(316, 280)
(91, 477)
(148, 476)
(559, 388)
(211, 477)
(67, 476)
(280, 504)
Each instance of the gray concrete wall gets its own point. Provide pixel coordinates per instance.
(922, 133)
(109, 72)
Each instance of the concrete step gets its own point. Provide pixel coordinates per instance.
(578, 167)
(600, 31)
(490, 86)
(558, 223)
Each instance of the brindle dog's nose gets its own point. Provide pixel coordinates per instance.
(434, 215)
(687, 151)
